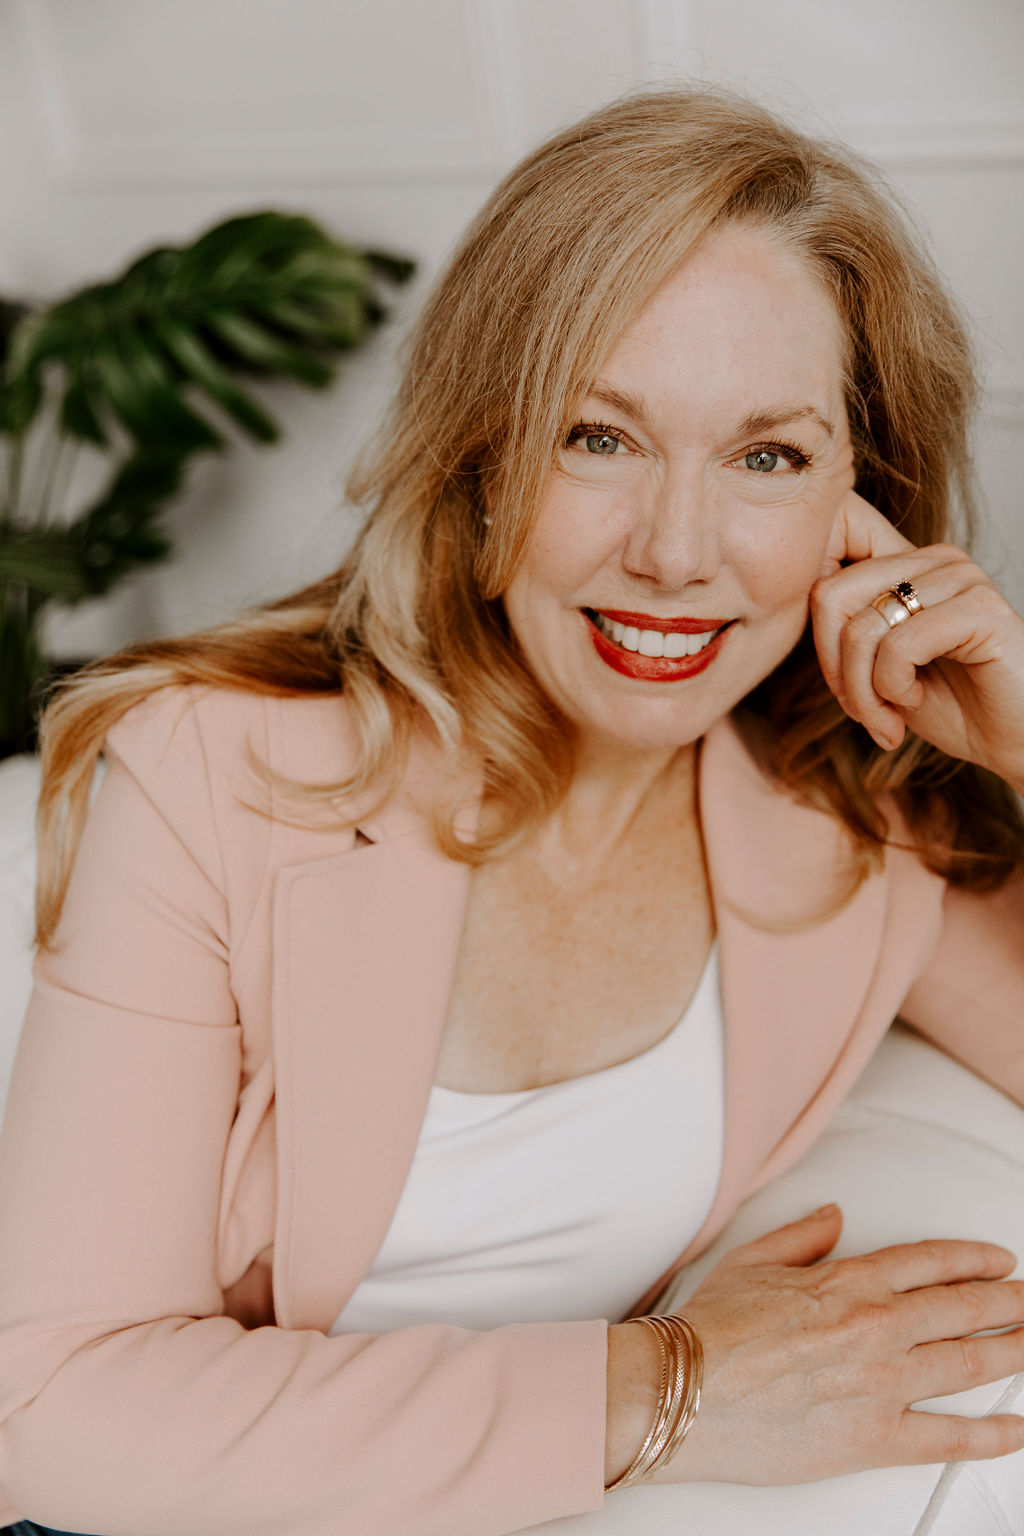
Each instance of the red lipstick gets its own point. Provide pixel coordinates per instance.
(663, 626)
(657, 669)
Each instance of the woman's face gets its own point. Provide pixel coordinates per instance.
(696, 495)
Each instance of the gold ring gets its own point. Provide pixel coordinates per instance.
(898, 603)
(892, 610)
(907, 594)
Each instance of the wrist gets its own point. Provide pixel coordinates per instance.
(634, 1374)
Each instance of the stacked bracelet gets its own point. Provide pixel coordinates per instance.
(682, 1374)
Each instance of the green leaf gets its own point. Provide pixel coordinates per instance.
(262, 293)
(45, 560)
(397, 269)
(134, 379)
(24, 666)
(265, 352)
(77, 417)
(341, 322)
(48, 335)
(12, 312)
(118, 532)
(19, 403)
(202, 368)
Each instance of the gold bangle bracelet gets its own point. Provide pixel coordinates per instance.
(681, 1347)
(672, 1404)
(627, 1477)
(693, 1386)
(672, 1408)
(682, 1378)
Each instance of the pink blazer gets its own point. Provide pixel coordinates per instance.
(217, 1094)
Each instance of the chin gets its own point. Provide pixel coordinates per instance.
(657, 735)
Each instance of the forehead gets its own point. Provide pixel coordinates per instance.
(743, 314)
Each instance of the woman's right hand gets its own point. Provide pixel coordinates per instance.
(810, 1368)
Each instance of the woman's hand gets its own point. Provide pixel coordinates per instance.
(953, 673)
(810, 1368)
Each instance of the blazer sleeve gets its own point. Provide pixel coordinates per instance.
(970, 997)
(129, 1400)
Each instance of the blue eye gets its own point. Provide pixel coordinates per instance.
(761, 460)
(600, 442)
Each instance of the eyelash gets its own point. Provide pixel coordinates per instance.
(789, 451)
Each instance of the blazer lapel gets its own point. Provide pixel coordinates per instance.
(789, 999)
(365, 944)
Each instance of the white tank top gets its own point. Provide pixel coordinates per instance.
(558, 1202)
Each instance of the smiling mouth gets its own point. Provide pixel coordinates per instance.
(672, 638)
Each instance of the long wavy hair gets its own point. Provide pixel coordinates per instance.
(411, 627)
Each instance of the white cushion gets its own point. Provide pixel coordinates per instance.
(19, 787)
(19, 790)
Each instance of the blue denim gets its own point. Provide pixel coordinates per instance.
(29, 1528)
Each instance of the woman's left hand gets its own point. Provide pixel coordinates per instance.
(953, 672)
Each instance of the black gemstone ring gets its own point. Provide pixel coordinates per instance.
(907, 594)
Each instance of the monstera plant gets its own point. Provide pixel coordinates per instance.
(264, 294)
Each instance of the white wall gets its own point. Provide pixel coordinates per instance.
(127, 123)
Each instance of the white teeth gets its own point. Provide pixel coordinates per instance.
(654, 642)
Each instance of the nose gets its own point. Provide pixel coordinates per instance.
(674, 535)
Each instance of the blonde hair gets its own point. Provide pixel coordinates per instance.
(555, 266)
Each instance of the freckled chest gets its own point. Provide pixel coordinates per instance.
(557, 977)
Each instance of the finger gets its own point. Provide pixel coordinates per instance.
(798, 1242)
(860, 532)
(936, 1261)
(937, 573)
(938, 1312)
(880, 666)
(926, 1438)
(859, 645)
(959, 629)
(937, 1370)
(861, 635)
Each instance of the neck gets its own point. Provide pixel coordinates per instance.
(610, 792)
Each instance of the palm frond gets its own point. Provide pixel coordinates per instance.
(263, 293)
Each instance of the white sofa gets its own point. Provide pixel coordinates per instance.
(921, 1148)
(19, 786)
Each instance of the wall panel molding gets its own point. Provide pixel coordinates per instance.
(80, 159)
(945, 147)
(673, 32)
(667, 30)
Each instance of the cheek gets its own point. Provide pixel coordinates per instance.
(576, 529)
(781, 559)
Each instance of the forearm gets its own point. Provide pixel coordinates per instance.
(182, 1423)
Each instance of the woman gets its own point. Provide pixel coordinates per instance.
(371, 1106)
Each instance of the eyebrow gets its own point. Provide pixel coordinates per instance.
(761, 420)
(777, 415)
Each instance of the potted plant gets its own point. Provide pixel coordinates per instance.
(264, 294)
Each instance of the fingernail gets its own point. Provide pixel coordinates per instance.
(824, 1209)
